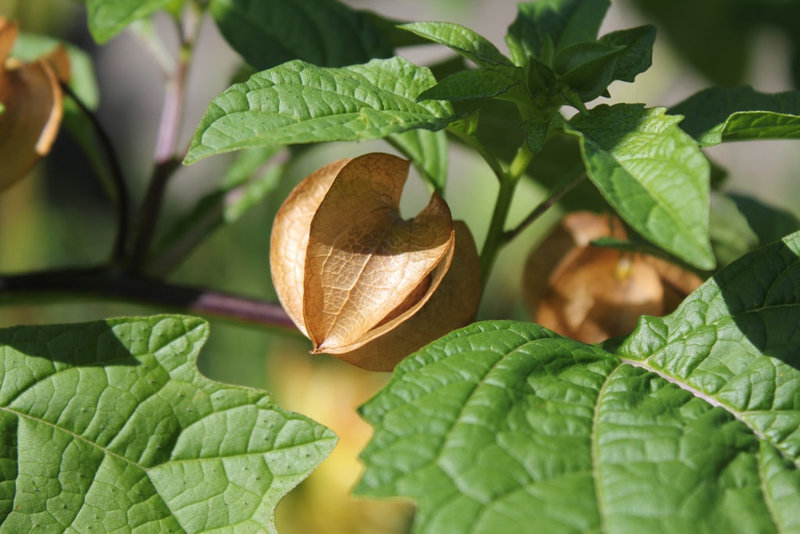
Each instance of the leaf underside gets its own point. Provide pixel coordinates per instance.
(693, 426)
(110, 425)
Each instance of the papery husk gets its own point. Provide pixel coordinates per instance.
(363, 259)
(592, 293)
(364, 269)
(289, 239)
(452, 306)
(600, 294)
(32, 97)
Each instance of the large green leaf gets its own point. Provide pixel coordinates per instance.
(544, 28)
(734, 343)
(652, 173)
(301, 103)
(693, 428)
(109, 17)
(324, 32)
(108, 426)
(720, 114)
(466, 42)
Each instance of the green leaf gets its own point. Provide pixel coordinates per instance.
(535, 134)
(731, 235)
(109, 17)
(301, 103)
(768, 222)
(577, 55)
(543, 28)
(506, 427)
(472, 85)
(324, 32)
(541, 78)
(588, 68)
(464, 41)
(109, 425)
(637, 55)
(740, 223)
(691, 427)
(652, 173)
(733, 342)
(428, 151)
(718, 114)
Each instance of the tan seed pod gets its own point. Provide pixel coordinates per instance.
(592, 293)
(32, 99)
(350, 271)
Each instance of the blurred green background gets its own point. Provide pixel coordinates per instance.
(59, 216)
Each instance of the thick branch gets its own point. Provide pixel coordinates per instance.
(100, 283)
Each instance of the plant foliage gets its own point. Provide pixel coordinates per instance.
(109, 423)
(687, 424)
(690, 424)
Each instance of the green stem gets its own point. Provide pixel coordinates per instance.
(508, 184)
(542, 207)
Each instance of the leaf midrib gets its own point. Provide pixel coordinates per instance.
(146, 469)
(322, 91)
(74, 435)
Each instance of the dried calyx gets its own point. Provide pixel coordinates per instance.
(591, 293)
(32, 101)
(356, 278)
